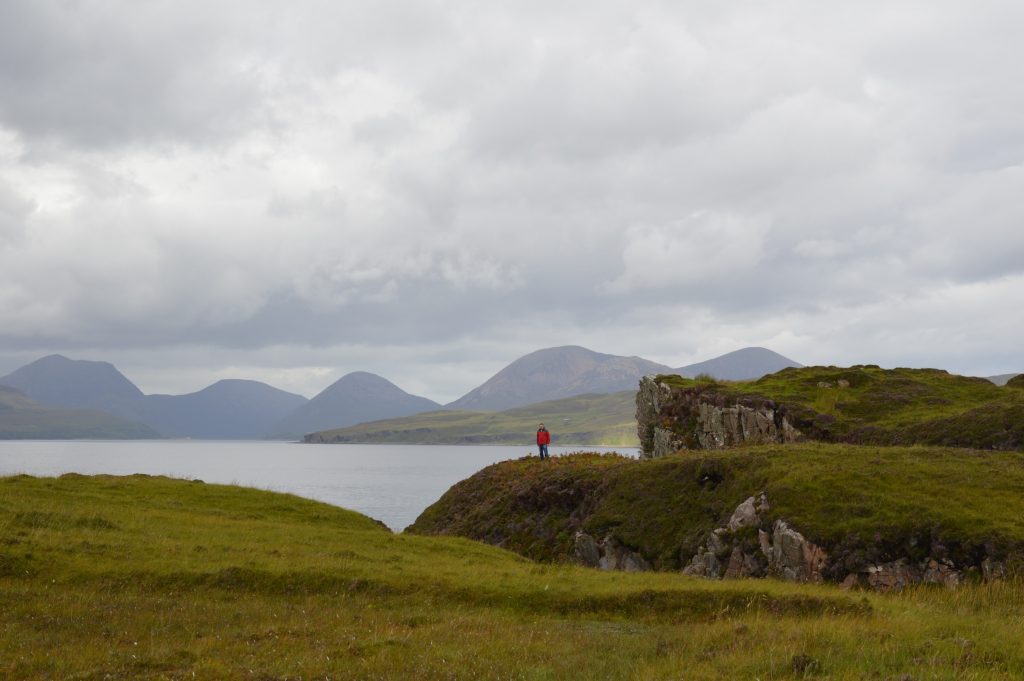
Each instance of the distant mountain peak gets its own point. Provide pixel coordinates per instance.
(554, 373)
(738, 365)
(356, 397)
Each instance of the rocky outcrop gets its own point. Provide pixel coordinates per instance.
(670, 419)
(784, 553)
(790, 556)
(607, 554)
(651, 398)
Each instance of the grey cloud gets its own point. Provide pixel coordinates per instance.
(14, 212)
(672, 179)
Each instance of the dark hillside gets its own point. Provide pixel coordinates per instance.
(863, 505)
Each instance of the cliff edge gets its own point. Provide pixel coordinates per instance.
(856, 405)
(878, 517)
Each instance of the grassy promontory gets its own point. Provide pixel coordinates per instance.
(150, 578)
(864, 404)
(864, 504)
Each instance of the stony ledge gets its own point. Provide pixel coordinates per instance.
(781, 552)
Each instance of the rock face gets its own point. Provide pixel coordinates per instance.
(790, 556)
(670, 419)
(784, 553)
(608, 554)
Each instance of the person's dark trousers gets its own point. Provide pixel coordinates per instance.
(543, 451)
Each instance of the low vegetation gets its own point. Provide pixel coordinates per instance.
(872, 503)
(582, 420)
(151, 578)
(870, 405)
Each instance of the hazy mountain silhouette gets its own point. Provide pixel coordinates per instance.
(57, 381)
(23, 418)
(352, 399)
(1001, 379)
(554, 373)
(228, 409)
(739, 365)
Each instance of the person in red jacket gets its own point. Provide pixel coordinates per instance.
(543, 440)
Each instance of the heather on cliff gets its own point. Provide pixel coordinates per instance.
(859, 405)
(864, 504)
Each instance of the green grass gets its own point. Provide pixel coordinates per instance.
(582, 420)
(866, 503)
(881, 406)
(151, 578)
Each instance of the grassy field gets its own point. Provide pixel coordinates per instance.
(870, 405)
(150, 578)
(582, 420)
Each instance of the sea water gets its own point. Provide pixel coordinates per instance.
(391, 483)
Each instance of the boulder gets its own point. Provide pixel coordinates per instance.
(618, 557)
(704, 564)
(892, 576)
(607, 554)
(941, 572)
(791, 557)
(585, 550)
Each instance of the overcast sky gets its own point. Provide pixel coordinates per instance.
(428, 190)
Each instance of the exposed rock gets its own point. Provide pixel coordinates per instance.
(711, 420)
(824, 384)
(704, 564)
(791, 557)
(618, 557)
(747, 514)
(941, 572)
(664, 442)
(743, 565)
(608, 554)
(892, 576)
(721, 427)
(843, 383)
(585, 550)
(651, 398)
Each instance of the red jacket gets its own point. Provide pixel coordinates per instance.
(543, 437)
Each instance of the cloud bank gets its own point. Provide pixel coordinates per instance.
(428, 190)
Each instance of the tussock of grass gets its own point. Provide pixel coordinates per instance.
(182, 580)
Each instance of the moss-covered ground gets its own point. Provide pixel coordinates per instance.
(870, 405)
(151, 578)
(870, 503)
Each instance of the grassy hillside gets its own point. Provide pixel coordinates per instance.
(867, 503)
(150, 578)
(21, 419)
(584, 420)
(870, 405)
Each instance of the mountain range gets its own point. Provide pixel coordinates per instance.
(354, 398)
(242, 409)
(24, 419)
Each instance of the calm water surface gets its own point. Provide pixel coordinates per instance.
(392, 483)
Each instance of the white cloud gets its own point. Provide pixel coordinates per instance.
(670, 179)
(703, 249)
